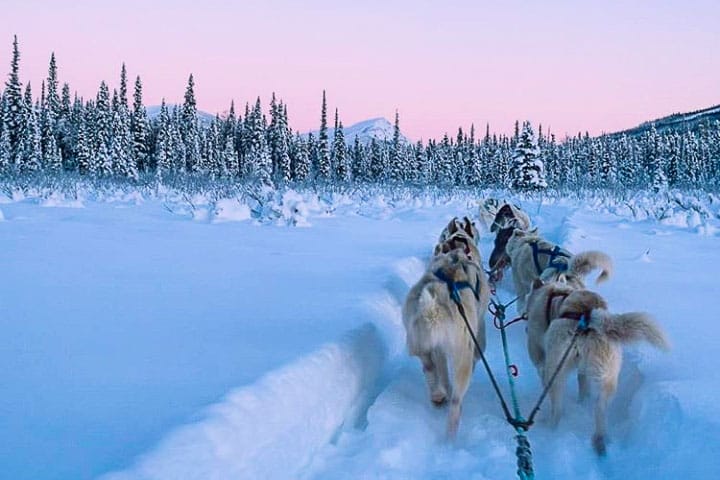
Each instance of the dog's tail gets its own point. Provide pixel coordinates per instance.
(628, 327)
(585, 262)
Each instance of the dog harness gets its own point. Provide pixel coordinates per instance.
(583, 318)
(555, 254)
(455, 287)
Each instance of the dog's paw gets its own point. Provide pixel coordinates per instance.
(598, 442)
(438, 398)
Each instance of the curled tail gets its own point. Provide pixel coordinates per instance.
(628, 327)
(585, 262)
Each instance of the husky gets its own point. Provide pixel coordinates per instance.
(508, 219)
(487, 211)
(437, 333)
(510, 215)
(466, 225)
(533, 257)
(554, 310)
(459, 240)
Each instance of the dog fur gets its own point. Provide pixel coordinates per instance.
(509, 217)
(459, 240)
(553, 310)
(524, 271)
(437, 334)
(455, 225)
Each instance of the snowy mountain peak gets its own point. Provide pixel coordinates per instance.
(379, 128)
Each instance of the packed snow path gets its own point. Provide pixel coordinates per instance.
(314, 402)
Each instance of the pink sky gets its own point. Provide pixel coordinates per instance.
(441, 64)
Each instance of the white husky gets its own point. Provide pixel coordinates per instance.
(437, 333)
(554, 310)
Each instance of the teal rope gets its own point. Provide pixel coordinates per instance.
(523, 451)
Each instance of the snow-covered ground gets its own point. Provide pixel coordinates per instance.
(153, 341)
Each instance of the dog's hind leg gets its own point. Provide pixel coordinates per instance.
(583, 385)
(462, 366)
(607, 390)
(441, 367)
(438, 393)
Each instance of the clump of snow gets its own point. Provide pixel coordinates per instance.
(57, 200)
(230, 210)
(293, 210)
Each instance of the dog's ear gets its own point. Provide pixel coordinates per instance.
(537, 284)
(453, 226)
(468, 227)
(438, 249)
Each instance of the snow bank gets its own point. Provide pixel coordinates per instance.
(230, 210)
(57, 200)
(273, 428)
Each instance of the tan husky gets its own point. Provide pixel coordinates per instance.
(533, 257)
(554, 310)
(437, 333)
(455, 225)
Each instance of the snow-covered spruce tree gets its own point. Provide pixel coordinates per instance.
(340, 156)
(359, 165)
(123, 94)
(53, 98)
(323, 153)
(444, 165)
(396, 164)
(5, 151)
(51, 155)
(121, 147)
(300, 160)
(66, 128)
(377, 162)
(85, 155)
(258, 161)
(30, 155)
(280, 142)
(422, 165)
(140, 128)
(655, 160)
(528, 171)
(14, 111)
(163, 144)
(189, 128)
(230, 157)
(102, 131)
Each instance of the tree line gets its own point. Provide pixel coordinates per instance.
(111, 137)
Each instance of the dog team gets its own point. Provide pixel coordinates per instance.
(551, 296)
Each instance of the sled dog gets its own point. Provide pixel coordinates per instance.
(554, 310)
(508, 218)
(437, 334)
(533, 257)
(455, 225)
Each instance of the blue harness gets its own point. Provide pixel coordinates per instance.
(455, 287)
(555, 254)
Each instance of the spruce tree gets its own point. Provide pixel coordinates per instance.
(14, 111)
(189, 127)
(323, 154)
(300, 160)
(340, 157)
(528, 171)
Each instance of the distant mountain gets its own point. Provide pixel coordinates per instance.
(680, 122)
(378, 128)
(153, 112)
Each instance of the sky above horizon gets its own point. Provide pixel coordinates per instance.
(570, 66)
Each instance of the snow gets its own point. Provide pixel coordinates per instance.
(379, 128)
(145, 344)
